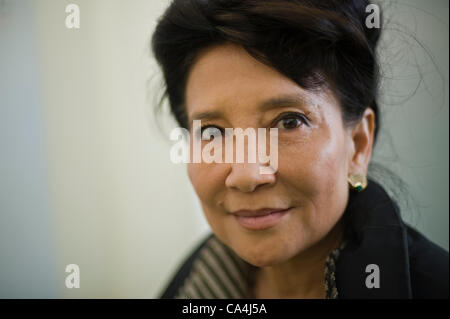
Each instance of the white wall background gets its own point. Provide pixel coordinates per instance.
(85, 175)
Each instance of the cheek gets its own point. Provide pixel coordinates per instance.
(207, 180)
(196, 176)
(313, 161)
(316, 170)
(328, 163)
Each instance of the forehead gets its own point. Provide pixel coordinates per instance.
(226, 75)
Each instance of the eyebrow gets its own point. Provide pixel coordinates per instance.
(206, 115)
(285, 100)
(272, 103)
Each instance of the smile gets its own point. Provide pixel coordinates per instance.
(260, 219)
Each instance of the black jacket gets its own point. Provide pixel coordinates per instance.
(410, 266)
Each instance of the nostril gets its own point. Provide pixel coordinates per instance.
(247, 178)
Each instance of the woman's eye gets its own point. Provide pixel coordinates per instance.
(210, 130)
(290, 122)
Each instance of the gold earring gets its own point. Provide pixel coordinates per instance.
(358, 182)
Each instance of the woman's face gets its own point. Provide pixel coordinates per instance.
(314, 154)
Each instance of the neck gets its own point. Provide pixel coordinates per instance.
(301, 276)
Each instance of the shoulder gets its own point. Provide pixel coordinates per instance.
(184, 270)
(428, 266)
(212, 270)
(410, 265)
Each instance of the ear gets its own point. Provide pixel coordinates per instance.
(361, 140)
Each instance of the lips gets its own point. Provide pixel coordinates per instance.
(260, 219)
(258, 213)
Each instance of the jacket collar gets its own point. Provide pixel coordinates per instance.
(376, 235)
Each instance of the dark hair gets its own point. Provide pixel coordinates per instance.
(315, 43)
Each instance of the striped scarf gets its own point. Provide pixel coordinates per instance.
(219, 273)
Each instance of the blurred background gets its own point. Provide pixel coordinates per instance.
(85, 173)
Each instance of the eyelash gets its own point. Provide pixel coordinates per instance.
(283, 116)
(292, 115)
(204, 127)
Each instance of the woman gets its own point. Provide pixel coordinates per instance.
(315, 227)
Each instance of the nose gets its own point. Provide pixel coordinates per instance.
(246, 177)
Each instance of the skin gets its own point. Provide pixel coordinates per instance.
(315, 159)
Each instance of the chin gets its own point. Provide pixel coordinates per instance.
(263, 261)
(262, 249)
(263, 256)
